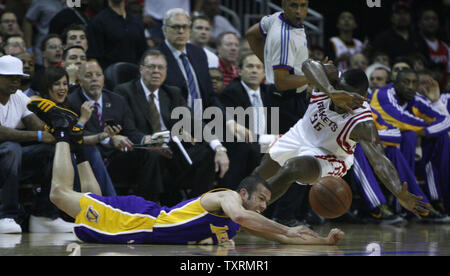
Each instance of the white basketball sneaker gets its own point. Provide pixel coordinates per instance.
(48, 225)
(9, 226)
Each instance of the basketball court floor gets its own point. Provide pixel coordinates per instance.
(361, 240)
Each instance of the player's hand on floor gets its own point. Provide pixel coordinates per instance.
(412, 202)
(299, 231)
(335, 236)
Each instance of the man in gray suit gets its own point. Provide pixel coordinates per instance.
(151, 105)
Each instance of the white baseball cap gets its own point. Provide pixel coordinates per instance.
(11, 66)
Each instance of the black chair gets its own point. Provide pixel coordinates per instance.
(120, 72)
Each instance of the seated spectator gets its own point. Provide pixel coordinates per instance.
(358, 61)
(37, 22)
(75, 35)
(73, 58)
(217, 80)
(379, 78)
(228, 52)
(138, 169)
(9, 25)
(438, 50)
(200, 33)
(316, 52)
(418, 61)
(115, 36)
(400, 106)
(28, 68)
(70, 16)
(246, 91)
(345, 45)
(14, 45)
(51, 51)
(219, 24)
(381, 58)
(399, 40)
(151, 104)
(398, 65)
(55, 87)
(26, 151)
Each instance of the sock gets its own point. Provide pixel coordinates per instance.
(61, 135)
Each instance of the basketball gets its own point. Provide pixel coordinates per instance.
(330, 197)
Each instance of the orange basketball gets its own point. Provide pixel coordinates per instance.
(330, 197)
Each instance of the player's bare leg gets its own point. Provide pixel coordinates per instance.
(267, 168)
(62, 193)
(305, 169)
(62, 122)
(88, 181)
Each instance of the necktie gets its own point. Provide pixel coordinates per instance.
(190, 77)
(256, 102)
(99, 115)
(154, 114)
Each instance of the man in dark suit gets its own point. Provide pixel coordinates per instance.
(187, 64)
(187, 68)
(151, 105)
(247, 91)
(140, 169)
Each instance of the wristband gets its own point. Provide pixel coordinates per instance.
(39, 134)
(78, 124)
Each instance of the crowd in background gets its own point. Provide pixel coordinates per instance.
(124, 66)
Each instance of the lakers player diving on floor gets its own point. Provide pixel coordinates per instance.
(322, 142)
(213, 218)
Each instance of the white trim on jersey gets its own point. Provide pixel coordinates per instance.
(349, 126)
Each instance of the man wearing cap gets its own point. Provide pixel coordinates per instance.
(399, 40)
(25, 151)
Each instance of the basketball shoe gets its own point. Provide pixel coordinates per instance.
(60, 121)
(383, 215)
(54, 116)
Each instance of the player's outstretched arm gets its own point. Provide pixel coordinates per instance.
(366, 135)
(230, 203)
(317, 76)
(333, 238)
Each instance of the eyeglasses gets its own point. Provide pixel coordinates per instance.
(179, 27)
(153, 67)
(9, 21)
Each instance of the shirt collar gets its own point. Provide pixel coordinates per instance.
(249, 90)
(174, 51)
(147, 91)
(99, 101)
